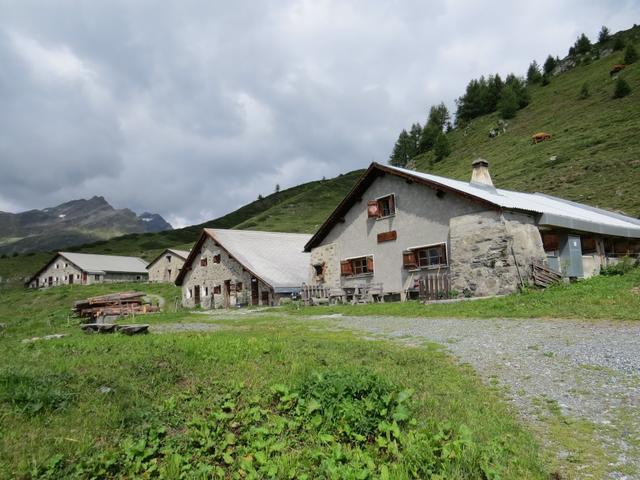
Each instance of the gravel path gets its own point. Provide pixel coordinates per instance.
(579, 377)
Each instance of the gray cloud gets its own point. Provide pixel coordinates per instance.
(193, 108)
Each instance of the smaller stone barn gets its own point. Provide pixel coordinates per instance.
(67, 268)
(228, 268)
(166, 266)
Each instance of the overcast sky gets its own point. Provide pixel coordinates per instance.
(192, 108)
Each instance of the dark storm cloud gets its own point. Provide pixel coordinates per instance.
(192, 108)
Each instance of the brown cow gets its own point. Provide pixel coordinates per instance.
(541, 137)
(616, 68)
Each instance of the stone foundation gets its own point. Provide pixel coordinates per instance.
(481, 258)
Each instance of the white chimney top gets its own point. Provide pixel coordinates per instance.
(480, 174)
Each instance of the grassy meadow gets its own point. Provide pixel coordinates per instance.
(257, 397)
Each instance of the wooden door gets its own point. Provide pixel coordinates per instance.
(227, 293)
(71, 279)
(265, 297)
(196, 295)
(84, 278)
(254, 291)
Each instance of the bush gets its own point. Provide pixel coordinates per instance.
(622, 88)
(625, 265)
(618, 44)
(584, 91)
(630, 55)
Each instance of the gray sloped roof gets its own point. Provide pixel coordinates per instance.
(95, 263)
(553, 211)
(277, 258)
(180, 253)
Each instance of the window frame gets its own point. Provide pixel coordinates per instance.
(364, 258)
(426, 248)
(381, 216)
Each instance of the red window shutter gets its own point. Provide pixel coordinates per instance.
(346, 268)
(409, 259)
(370, 264)
(373, 209)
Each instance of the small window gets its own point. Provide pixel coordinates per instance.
(206, 291)
(97, 277)
(217, 290)
(57, 266)
(588, 245)
(216, 258)
(138, 277)
(66, 265)
(169, 271)
(239, 287)
(550, 241)
(189, 293)
(203, 262)
(319, 269)
(168, 258)
(356, 266)
(382, 207)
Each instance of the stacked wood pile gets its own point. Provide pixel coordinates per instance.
(543, 276)
(113, 305)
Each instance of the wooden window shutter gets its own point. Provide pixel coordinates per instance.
(387, 236)
(409, 259)
(373, 209)
(392, 204)
(370, 264)
(346, 268)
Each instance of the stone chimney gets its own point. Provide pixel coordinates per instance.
(480, 174)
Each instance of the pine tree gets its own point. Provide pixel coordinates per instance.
(549, 64)
(533, 73)
(414, 134)
(630, 55)
(604, 34)
(519, 87)
(494, 88)
(582, 45)
(401, 150)
(622, 88)
(441, 148)
(439, 115)
(428, 137)
(508, 104)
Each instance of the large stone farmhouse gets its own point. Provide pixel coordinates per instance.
(166, 266)
(227, 268)
(397, 226)
(67, 268)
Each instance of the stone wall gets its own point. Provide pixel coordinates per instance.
(215, 274)
(328, 256)
(165, 270)
(481, 258)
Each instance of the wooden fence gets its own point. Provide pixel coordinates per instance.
(435, 286)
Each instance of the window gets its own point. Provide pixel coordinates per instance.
(319, 269)
(203, 262)
(57, 266)
(216, 258)
(206, 291)
(356, 266)
(382, 207)
(189, 293)
(96, 278)
(550, 241)
(430, 256)
(588, 245)
(239, 287)
(217, 290)
(66, 264)
(168, 258)
(169, 271)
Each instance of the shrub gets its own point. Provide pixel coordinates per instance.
(584, 91)
(549, 64)
(630, 55)
(618, 44)
(4, 255)
(15, 254)
(625, 265)
(622, 88)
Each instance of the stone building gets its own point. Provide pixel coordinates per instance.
(67, 268)
(227, 268)
(398, 226)
(166, 266)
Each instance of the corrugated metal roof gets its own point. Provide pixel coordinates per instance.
(277, 258)
(94, 263)
(554, 211)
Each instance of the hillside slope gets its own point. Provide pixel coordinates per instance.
(298, 209)
(593, 156)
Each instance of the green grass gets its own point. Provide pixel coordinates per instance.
(613, 297)
(268, 397)
(594, 140)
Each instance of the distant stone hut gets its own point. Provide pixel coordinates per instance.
(166, 266)
(67, 268)
(398, 228)
(228, 268)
